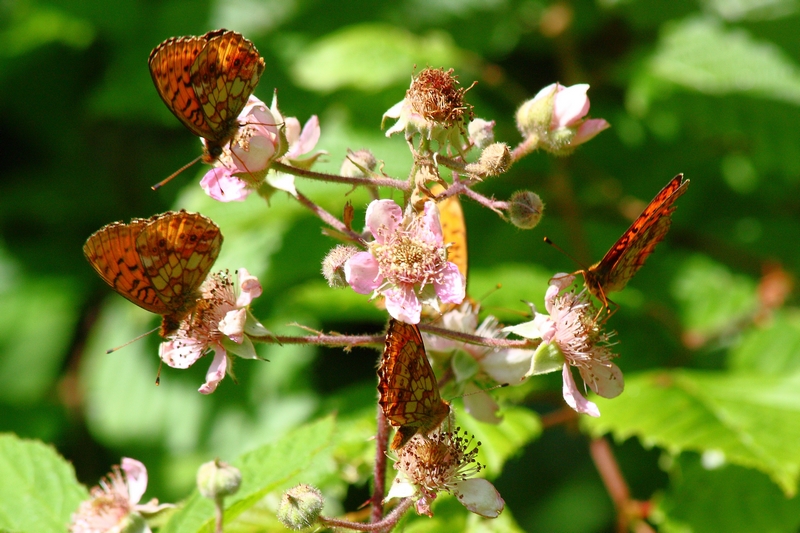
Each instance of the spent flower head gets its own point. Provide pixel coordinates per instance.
(434, 107)
(264, 136)
(444, 462)
(406, 263)
(221, 323)
(556, 116)
(114, 503)
(572, 336)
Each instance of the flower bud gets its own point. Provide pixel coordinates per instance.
(358, 163)
(216, 479)
(300, 507)
(535, 116)
(494, 160)
(333, 265)
(525, 209)
(481, 133)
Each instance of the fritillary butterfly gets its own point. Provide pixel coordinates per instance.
(409, 394)
(157, 263)
(206, 82)
(629, 253)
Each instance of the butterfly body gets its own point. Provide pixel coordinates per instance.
(206, 81)
(409, 393)
(631, 250)
(157, 263)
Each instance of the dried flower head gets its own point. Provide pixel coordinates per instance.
(446, 462)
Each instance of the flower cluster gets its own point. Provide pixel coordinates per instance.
(264, 136)
(444, 462)
(221, 323)
(407, 262)
(114, 503)
(571, 336)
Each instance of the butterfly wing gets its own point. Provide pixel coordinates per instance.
(177, 251)
(112, 253)
(630, 252)
(170, 67)
(223, 77)
(409, 394)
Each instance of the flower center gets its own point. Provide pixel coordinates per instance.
(408, 260)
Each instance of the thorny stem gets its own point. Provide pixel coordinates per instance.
(482, 341)
(326, 217)
(461, 187)
(335, 178)
(322, 339)
(524, 148)
(379, 470)
(627, 509)
(384, 525)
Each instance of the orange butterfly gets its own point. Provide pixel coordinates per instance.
(158, 263)
(206, 82)
(629, 253)
(409, 394)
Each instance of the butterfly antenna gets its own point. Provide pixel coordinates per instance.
(169, 178)
(560, 249)
(112, 350)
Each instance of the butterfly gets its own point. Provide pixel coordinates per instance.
(206, 81)
(629, 253)
(157, 263)
(409, 394)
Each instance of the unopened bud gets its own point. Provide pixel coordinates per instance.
(300, 507)
(494, 160)
(535, 115)
(481, 132)
(333, 265)
(216, 479)
(358, 164)
(525, 209)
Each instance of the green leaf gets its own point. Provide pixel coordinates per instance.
(711, 297)
(753, 421)
(702, 55)
(744, 500)
(370, 57)
(277, 466)
(771, 349)
(39, 491)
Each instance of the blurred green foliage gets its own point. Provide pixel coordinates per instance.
(708, 333)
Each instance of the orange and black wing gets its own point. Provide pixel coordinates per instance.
(177, 251)
(409, 394)
(630, 252)
(112, 253)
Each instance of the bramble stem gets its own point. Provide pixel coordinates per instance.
(335, 178)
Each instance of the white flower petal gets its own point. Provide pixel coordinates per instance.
(479, 496)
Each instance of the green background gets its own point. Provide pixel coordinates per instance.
(708, 88)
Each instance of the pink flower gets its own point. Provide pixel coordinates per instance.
(221, 323)
(406, 263)
(571, 336)
(443, 462)
(556, 115)
(264, 136)
(114, 505)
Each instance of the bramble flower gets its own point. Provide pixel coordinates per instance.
(221, 323)
(509, 365)
(443, 462)
(570, 337)
(406, 263)
(114, 505)
(556, 117)
(433, 107)
(264, 136)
